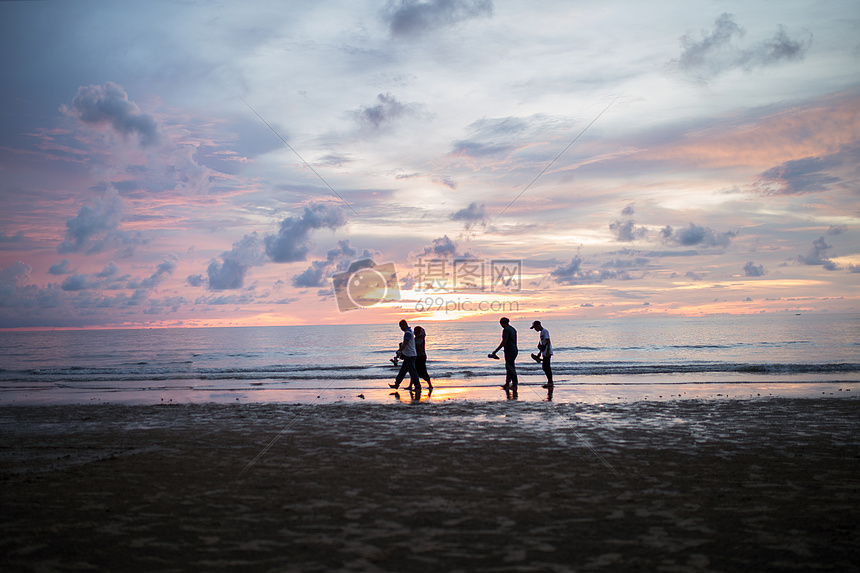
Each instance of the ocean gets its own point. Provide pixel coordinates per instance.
(611, 359)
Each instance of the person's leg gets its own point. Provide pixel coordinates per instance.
(403, 369)
(406, 369)
(510, 370)
(421, 366)
(507, 373)
(547, 369)
(415, 383)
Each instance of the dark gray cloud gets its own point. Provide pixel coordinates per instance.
(628, 210)
(387, 111)
(717, 50)
(14, 275)
(343, 250)
(626, 263)
(443, 247)
(501, 136)
(292, 242)
(230, 272)
(492, 137)
(474, 214)
(78, 282)
(807, 175)
(320, 272)
(700, 53)
(572, 273)
(780, 48)
(16, 238)
(694, 234)
(477, 149)
(627, 231)
(109, 278)
(23, 304)
(166, 305)
(407, 176)
(226, 275)
(337, 258)
(126, 243)
(331, 160)
(817, 255)
(247, 251)
(163, 269)
(61, 268)
(501, 126)
(655, 254)
(753, 270)
(108, 105)
(20, 302)
(314, 276)
(111, 270)
(408, 18)
(91, 221)
(195, 280)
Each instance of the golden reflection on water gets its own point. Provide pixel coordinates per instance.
(450, 393)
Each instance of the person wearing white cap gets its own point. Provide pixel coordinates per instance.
(544, 351)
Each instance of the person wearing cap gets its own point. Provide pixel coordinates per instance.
(544, 351)
(509, 343)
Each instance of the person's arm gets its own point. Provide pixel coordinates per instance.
(402, 344)
(502, 343)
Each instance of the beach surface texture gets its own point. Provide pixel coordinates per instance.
(761, 484)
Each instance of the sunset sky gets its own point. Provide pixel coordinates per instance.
(216, 163)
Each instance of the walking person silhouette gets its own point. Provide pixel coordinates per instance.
(421, 359)
(409, 354)
(509, 343)
(544, 354)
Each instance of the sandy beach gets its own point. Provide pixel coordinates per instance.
(762, 484)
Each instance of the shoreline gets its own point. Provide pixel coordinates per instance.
(584, 390)
(686, 485)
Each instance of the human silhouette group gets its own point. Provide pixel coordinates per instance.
(412, 351)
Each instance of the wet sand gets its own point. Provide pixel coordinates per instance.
(763, 484)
